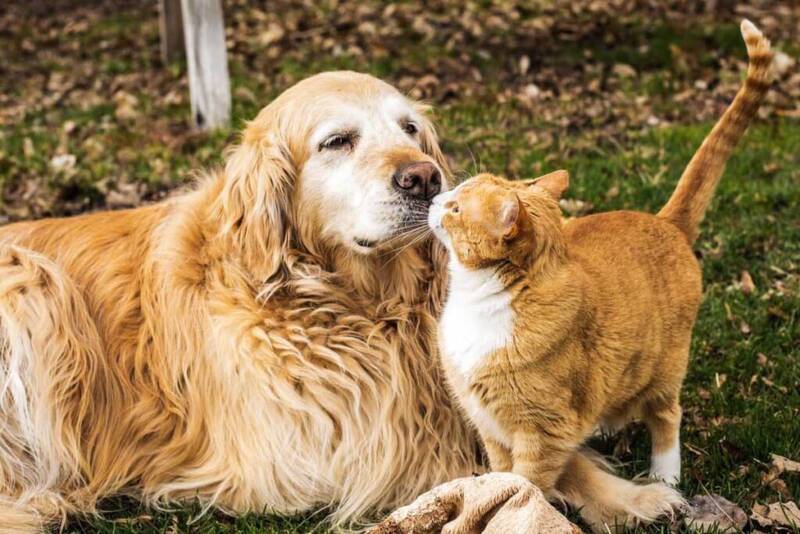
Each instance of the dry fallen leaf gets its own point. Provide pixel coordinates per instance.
(744, 328)
(575, 207)
(623, 70)
(124, 196)
(748, 286)
(272, 34)
(777, 514)
(708, 511)
(63, 162)
(27, 148)
(782, 64)
(720, 379)
(785, 465)
(125, 106)
(524, 65)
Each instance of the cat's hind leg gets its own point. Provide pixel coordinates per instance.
(610, 503)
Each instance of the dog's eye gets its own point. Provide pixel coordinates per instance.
(410, 128)
(338, 142)
(452, 206)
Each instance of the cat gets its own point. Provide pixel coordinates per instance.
(552, 328)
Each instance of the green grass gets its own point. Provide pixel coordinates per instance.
(740, 407)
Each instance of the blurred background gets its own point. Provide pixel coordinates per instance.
(85, 79)
(619, 92)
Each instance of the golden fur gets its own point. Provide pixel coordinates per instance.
(223, 345)
(599, 316)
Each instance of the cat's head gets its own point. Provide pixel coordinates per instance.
(488, 219)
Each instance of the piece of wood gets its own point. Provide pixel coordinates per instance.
(206, 58)
(171, 29)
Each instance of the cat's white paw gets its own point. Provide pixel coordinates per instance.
(666, 465)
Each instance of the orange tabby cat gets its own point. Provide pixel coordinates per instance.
(552, 329)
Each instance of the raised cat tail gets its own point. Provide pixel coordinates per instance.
(610, 503)
(687, 205)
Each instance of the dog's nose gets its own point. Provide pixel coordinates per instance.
(420, 180)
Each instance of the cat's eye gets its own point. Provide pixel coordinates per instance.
(339, 141)
(452, 206)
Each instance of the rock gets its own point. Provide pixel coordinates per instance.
(495, 503)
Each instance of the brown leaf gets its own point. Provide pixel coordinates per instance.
(747, 284)
(744, 328)
(780, 486)
(125, 106)
(63, 162)
(27, 148)
(782, 64)
(712, 510)
(623, 70)
(524, 65)
(720, 379)
(777, 514)
(785, 465)
(273, 33)
(575, 207)
(124, 196)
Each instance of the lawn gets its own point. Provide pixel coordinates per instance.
(90, 119)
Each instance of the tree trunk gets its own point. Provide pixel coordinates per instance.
(171, 29)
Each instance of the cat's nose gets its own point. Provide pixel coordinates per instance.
(420, 180)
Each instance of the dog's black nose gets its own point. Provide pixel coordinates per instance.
(420, 180)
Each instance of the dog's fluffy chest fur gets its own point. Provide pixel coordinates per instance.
(476, 322)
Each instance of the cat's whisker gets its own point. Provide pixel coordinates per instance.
(414, 238)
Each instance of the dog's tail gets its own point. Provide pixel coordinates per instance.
(608, 502)
(686, 207)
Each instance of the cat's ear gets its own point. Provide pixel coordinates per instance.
(511, 214)
(554, 183)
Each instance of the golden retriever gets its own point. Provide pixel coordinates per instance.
(263, 342)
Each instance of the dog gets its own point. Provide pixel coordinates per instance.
(264, 341)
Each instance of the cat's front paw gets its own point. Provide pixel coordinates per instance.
(666, 466)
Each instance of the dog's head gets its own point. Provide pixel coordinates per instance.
(342, 160)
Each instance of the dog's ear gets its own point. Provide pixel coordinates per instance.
(259, 177)
(429, 141)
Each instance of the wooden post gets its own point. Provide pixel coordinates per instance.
(206, 57)
(171, 29)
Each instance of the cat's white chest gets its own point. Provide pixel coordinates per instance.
(477, 318)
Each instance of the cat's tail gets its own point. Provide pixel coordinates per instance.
(610, 503)
(687, 206)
